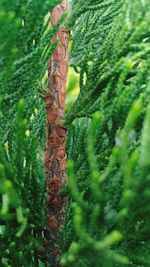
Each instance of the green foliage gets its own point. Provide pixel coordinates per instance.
(22, 191)
(24, 52)
(108, 143)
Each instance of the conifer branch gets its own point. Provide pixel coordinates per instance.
(55, 156)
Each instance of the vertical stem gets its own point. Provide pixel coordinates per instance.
(55, 156)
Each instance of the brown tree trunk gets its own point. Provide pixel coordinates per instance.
(55, 156)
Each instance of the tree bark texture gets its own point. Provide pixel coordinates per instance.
(55, 156)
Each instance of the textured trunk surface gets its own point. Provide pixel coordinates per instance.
(55, 156)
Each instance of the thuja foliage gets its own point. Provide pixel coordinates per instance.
(25, 48)
(108, 147)
(22, 191)
(108, 143)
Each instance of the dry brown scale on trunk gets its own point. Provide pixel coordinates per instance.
(55, 156)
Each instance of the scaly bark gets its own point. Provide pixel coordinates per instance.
(55, 156)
